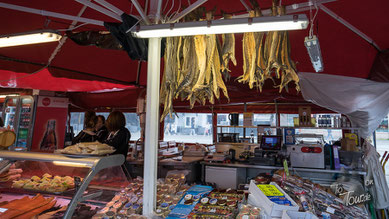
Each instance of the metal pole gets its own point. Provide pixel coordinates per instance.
(152, 124)
(51, 14)
(349, 26)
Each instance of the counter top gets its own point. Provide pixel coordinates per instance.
(243, 165)
(169, 161)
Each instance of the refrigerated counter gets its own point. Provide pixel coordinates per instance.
(97, 176)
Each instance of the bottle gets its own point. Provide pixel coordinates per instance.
(319, 121)
(49, 141)
(252, 136)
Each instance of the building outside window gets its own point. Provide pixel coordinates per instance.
(189, 128)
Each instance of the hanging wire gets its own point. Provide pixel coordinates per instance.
(312, 19)
(177, 11)
(73, 28)
(170, 8)
(166, 4)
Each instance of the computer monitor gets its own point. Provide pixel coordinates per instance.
(271, 142)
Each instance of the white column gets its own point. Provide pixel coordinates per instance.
(152, 124)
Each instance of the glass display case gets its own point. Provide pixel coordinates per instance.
(65, 180)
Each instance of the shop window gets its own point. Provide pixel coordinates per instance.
(132, 123)
(258, 119)
(189, 127)
(382, 142)
(329, 135)
(77, 121)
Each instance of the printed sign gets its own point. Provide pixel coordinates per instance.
(270, 190)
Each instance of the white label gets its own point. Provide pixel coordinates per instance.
(331, 210)
(3, 210)
(57, 102)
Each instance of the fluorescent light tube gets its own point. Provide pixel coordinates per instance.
(29, 38)
(8, 95)
(236, 25)
(313, 48)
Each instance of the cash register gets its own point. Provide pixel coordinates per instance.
(268, 152)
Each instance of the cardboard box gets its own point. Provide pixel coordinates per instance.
(305, 116)
(259, 199)
(248, 119)
(297, 215)
(348, 144)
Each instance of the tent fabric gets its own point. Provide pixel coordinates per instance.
(344, 53)
(365, 102)
(379, 190)
(43, 80)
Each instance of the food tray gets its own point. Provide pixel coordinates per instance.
(83, 155)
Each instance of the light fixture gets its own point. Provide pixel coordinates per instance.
(8, 95)
(235, 25)
(43, 36)
(313, 47)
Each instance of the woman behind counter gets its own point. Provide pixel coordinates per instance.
(88, 133)
(119, 135)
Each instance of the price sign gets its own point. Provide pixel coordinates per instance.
(270, 190)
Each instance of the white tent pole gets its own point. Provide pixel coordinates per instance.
(141, 12)
(100, 9)
(152, 126)
(51, 14)
(349, 26)
(110, 7)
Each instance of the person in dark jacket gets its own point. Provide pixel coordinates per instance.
(101, 129)
(88, 133)
(118, 134)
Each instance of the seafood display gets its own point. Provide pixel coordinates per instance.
(129, 202)
(316, 199)
(46, 183)
(27, 207)
(193, 69)
(268, 55)
(87, 148)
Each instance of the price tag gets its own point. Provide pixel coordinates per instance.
(270, 190)
(286, 167)
(330, 210)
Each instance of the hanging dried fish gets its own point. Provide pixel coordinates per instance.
(169, 77)
(227, 51)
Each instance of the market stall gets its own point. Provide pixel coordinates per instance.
(278, 172)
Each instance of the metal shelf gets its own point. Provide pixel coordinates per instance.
(282, 127)
(238, 144)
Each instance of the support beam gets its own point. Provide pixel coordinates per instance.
(290, 9)
(100, 9)
(245, 5)
(110, 7)
(51, 14)
(155, 10)
(349, 26)
(187, 10)
(141, 12)
(152, 123)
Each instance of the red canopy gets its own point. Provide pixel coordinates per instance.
(344, 52)
(43, 80)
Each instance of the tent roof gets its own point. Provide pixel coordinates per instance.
(344, 52)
